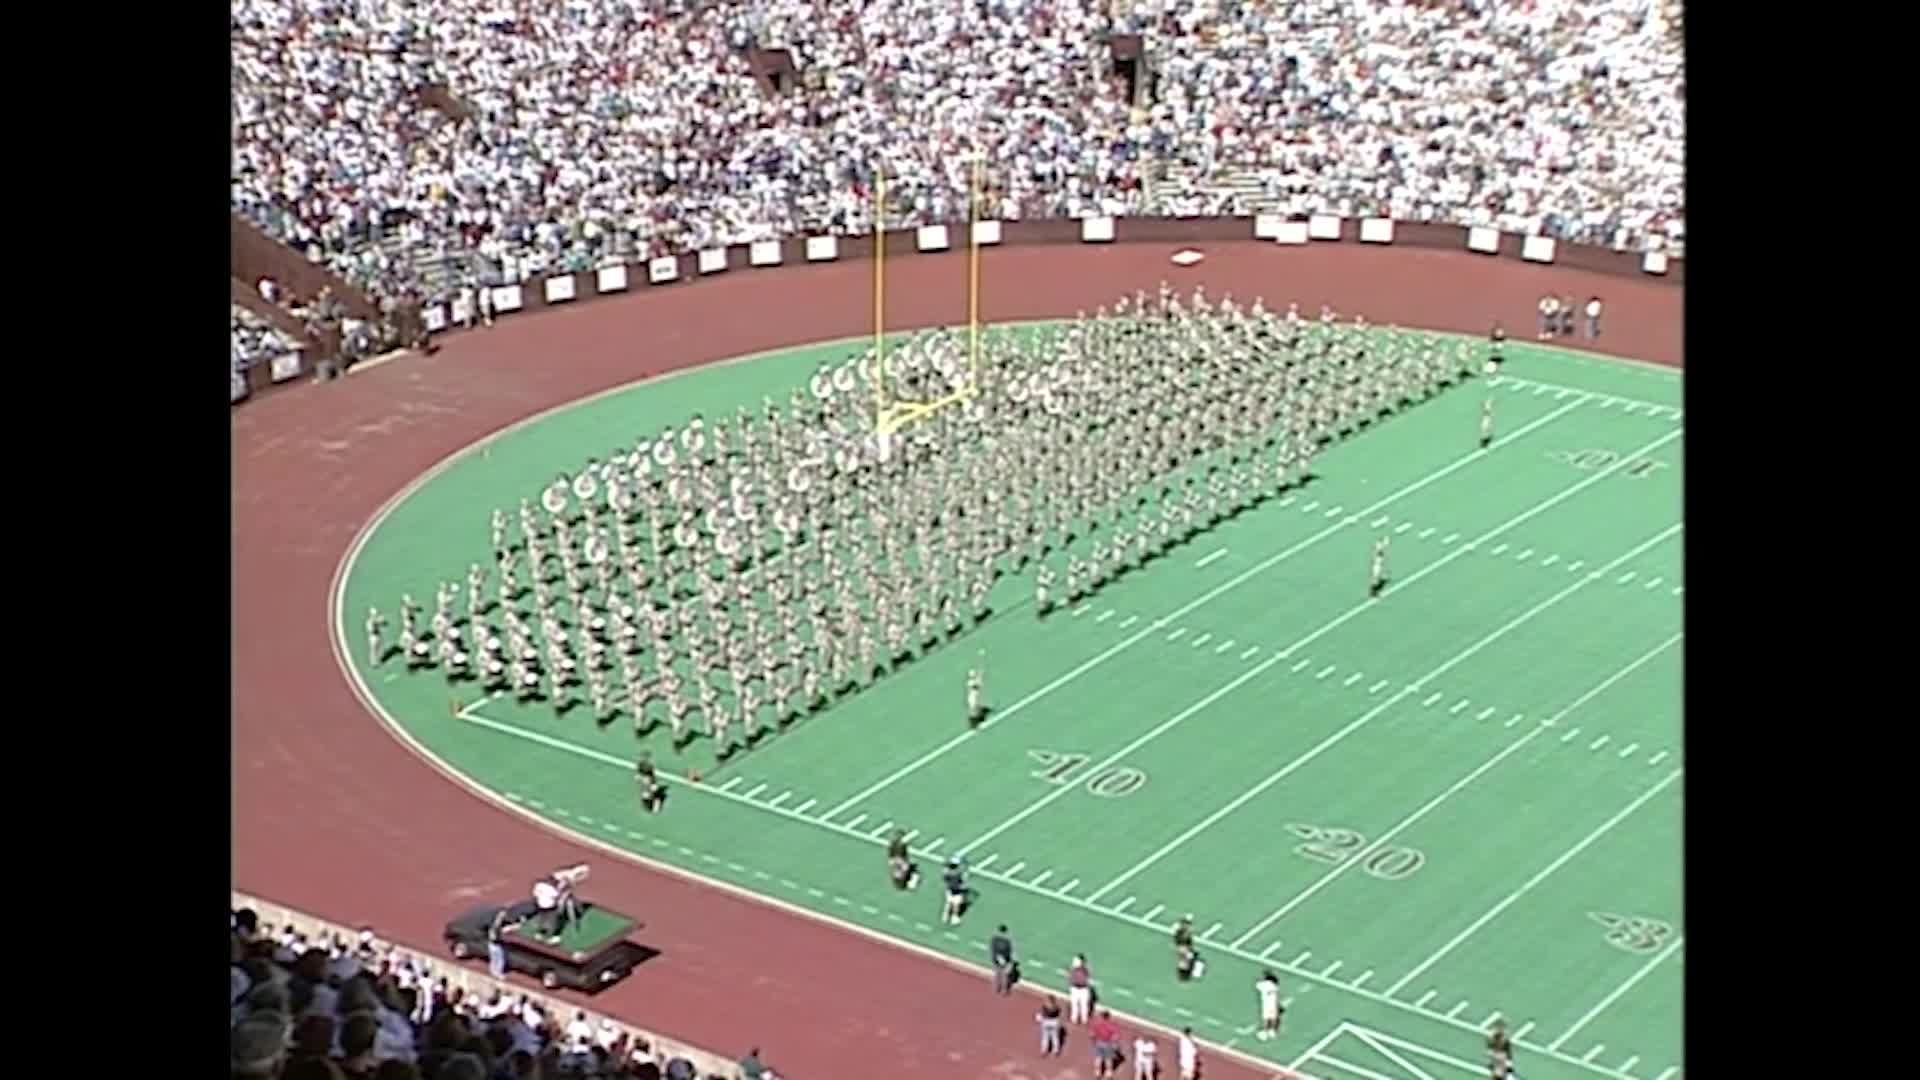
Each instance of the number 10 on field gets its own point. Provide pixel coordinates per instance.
(1063, 769)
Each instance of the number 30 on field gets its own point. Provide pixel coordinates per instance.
(1113, 782)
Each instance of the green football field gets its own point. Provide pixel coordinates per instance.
(1456, 803)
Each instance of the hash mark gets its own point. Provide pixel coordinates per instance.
(1457, 706)
(1403, 526)
(1484, 713)
(1429, 996)
(1426, 532)
(1223, 646)
(1301, 664)
(1377, 687)
(1178, 633)
(1630, 748)
(1353, 678)
(1437, 695)
(1130, 620)
(1105, 615)
(1249, 653)
(1202, 640)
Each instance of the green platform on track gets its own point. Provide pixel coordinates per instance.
(1460, 800)
(598, 929)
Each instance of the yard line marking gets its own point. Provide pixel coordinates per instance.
(1671, 1069)
(1626, 577)
(1484, 713)
(1310, 507)
(1361, 981)
(1540, 388)
(1377, 687)
(1327, 972)
(1268, 951)
(1492, 1019)
(1289, 500)
(1424, 998)
(1426, 532)
(1428, 704)
(1124, 904)
(1104, 616)
(1326, 671)
(1515, 719)
(1458, 706)
(1594, 1053)
(1403, 526)
(1204, 563)
(1013, 870)
(1129, 621)
(1627, 1065)
(728, 786)
(1630, 748)
(911, 833)
(1202, 640)
(986, 862)
(1599, 742)
(1571, 734)
(802, 808)
(1499, 549)
(1302, 664)
(1211, 930)
(1082, 610)
(1456, 1010)
(883, 827)
(1192, 605)
(1379, 521)
(1618, 992)
(1335, 512)
(1525, 555)
(934, 844)
(1363, 720)
(1527, 886)
(1249, 653)
(1353, 678)
(1068, 887)
(1522, 1033)
(1302, 958)
(1178, 632)
(1550, 559)
(1157, 909)
(756, 791)
(1575, 565)
(1042, 879)
(1224, 646)
(1657, 758)
(1450, 538)
(1678, 589)
(1654, 583)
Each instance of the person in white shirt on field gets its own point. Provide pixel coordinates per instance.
(1270, 1008)
(1146, 1063)
(1189, 1056)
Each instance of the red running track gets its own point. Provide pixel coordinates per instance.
(333, 816)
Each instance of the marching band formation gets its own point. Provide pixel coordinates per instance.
(751, 571)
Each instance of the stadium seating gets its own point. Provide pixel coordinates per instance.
(312, 999)
(408, 147)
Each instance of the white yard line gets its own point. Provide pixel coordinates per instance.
(1527, 886)
(1459, 785)
(1618, 992)
(1321, 747)
(1204, 563)
(1156, 625)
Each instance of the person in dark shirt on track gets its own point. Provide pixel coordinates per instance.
(653, 794)
(1000, 953)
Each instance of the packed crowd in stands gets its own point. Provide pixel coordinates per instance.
(254, 341)
(549, 137)
(345, 1009)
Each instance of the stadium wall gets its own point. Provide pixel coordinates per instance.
(693, 267)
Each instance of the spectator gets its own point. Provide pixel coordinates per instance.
(259, 1045)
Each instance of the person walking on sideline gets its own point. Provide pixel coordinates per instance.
(1189, 1056)
(1079, 990)
(1052, 1041)
(1146, 1055)
(1105, 1036)
(1000, 952)
(1593, 319)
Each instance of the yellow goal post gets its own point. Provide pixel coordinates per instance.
(891, 416)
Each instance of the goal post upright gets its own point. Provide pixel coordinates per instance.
(880, 300)
(973, 270)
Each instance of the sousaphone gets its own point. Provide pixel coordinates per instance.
(585, 486)
(663, 451)
(554, 499)
(597, 550)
